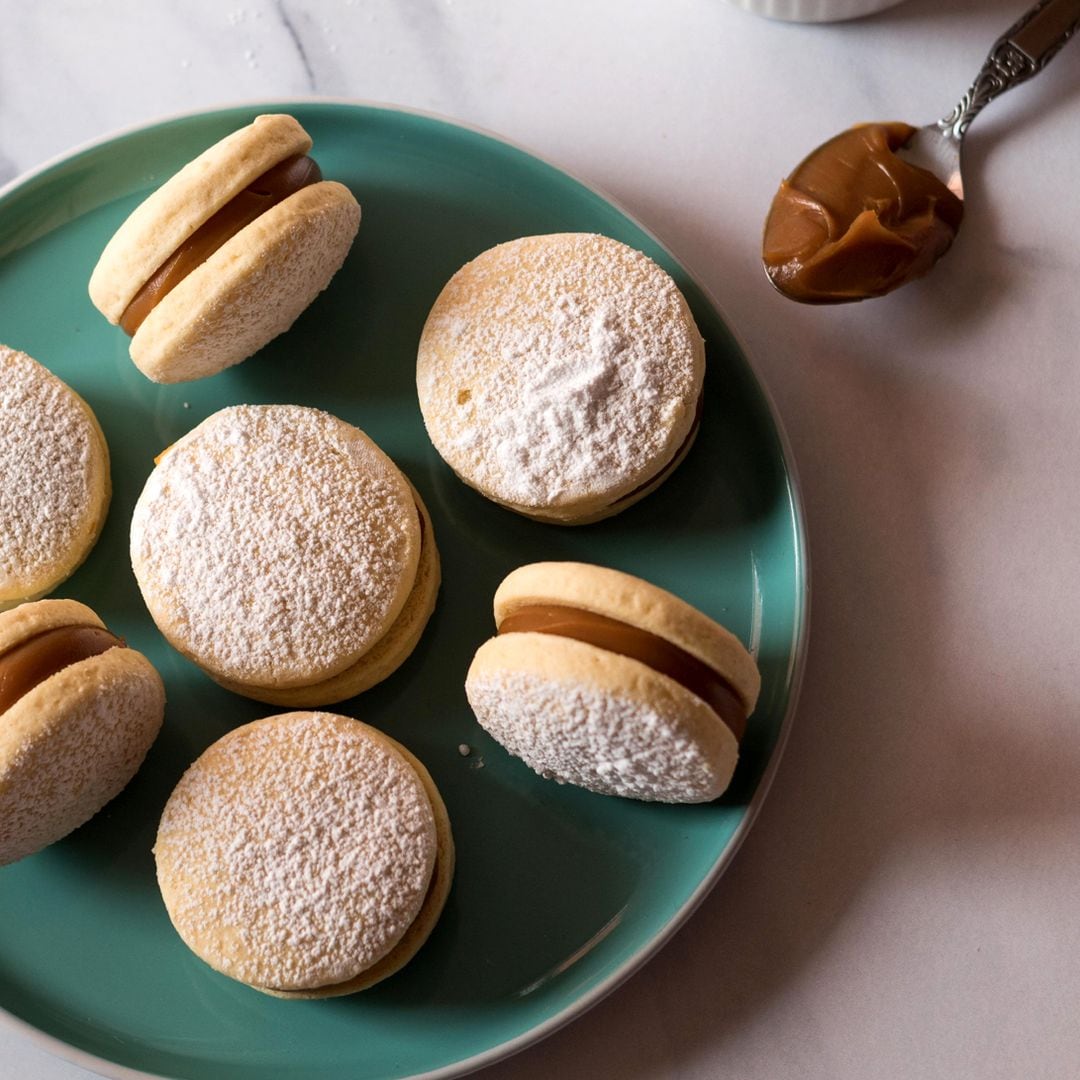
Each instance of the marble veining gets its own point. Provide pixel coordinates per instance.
(290, 29)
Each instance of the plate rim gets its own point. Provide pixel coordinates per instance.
(797, 666)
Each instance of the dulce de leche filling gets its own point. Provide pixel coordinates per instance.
(854, 220)
(637, 644)
(274, 186)
(31, 662)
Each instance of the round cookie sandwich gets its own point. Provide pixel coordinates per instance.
(306, 855)
(561, 376)
(226, 254)
(599, 679)
(56, 488)
(78, 712)
(282, 551)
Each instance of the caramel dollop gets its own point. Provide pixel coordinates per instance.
(31, 662)
(854, 220)
(274, 186)
(637, 644)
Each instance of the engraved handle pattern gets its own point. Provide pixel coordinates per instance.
(1021, 52)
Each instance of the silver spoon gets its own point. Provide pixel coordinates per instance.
(877, 205)
(1021, 52)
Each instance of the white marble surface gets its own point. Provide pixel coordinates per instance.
(908, 904)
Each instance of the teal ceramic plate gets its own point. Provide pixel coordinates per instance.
(559, 893)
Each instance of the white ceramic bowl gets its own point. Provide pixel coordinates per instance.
(815, 10)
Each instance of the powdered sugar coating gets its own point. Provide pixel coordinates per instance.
(54, 469)
(569, 731)
(296, 851)
(559, 369)
(275, 544)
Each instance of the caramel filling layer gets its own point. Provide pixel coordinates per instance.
(637, 644)
(855, 220)
(31, 662)
(274, 186)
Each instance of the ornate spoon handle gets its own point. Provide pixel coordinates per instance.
(1021, 52)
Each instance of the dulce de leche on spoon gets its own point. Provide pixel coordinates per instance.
(876, 206)
(854, 220)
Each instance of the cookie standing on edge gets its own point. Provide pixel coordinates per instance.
(282, 551)
(306, 855)
(602, 680)
(561, 376)
(226, 254)
(78, 712)
(56, 487)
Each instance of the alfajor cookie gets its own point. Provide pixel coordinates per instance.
(226, 254)
(561, 376)
(599, 679)
(56, 488)
(78, 712)
(282, 551)
(306, 855)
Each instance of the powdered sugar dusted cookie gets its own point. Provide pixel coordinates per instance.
(306, 854)
(561, 376)
(283, 552)
(226, 254)
(55, 468)
(78, 712)
(600, 679)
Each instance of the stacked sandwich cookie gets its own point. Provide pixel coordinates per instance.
(78, 712)
(306, 855)
(561, 376)
(56, 486)
(600, 679)
(226, 254)
(282, 551)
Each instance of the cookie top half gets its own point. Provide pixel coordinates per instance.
(591, 590)
(559, 371)
(275, 544)
(56, 488)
